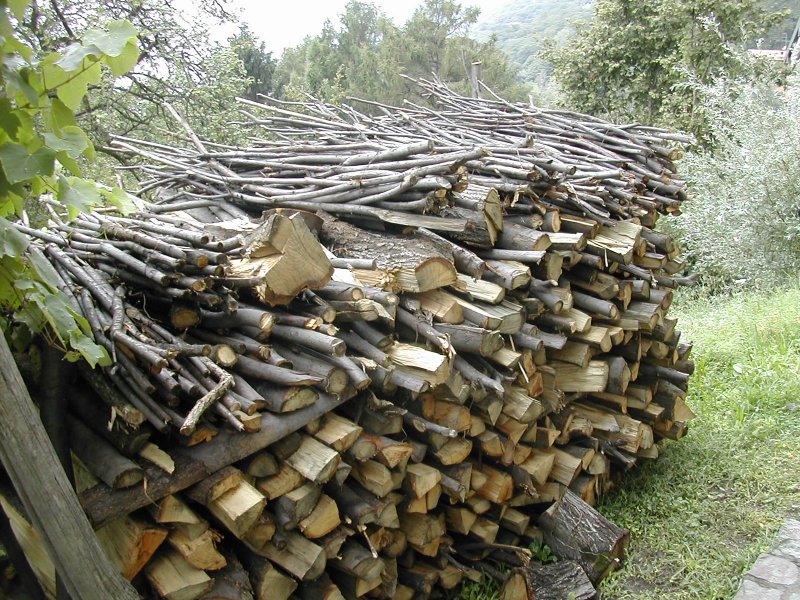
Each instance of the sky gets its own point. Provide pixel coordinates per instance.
(286, 23)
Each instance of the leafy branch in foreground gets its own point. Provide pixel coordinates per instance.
(41, 152)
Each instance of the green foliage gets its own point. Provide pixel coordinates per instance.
(643, 61)
(179, 63)
(41, 156)
(542, 553)
(485, 589)
(742, 223)
(702, 513)
(258, 64)
(367, 55)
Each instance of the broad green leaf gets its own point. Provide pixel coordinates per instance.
(73, 91)
(69, 163)
(74, 55)
(9, 122)
(53, 74)
(12, 74)
(18, 7)
(12, 242)
(44, 270)
(30, 314)
(72, 140)
(20, 165)
(11, 204)
(113, 40)
(79, 195)
(59, 115)
(120, 199)
(92, 352)
(55, 310)
(125, 61)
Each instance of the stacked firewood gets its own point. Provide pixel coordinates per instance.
(376, 355)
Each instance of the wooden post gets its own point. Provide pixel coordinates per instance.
(34, 469)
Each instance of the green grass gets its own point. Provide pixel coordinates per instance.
(700, 515)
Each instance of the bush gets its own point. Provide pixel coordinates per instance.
(742, 223)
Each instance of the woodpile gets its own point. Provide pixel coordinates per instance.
(377, 355)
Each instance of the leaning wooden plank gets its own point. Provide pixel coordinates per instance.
(48, 497)
(198, 462)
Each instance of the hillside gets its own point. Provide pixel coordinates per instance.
(522, 25)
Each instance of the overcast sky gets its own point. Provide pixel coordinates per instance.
(286, 23)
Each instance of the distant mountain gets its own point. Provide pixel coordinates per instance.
(522, 25)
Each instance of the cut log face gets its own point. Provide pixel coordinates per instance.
(174, 579)
(130, 543)
(283, 258)
(413, 264)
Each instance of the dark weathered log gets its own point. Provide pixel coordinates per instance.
(310, 339)
(466, 338)
(465, 260)
(575, 530)
(101, 458)
(558, 580)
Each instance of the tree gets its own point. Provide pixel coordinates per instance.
(178, 63)
(367, 55)
(642, 60)
(41, 154)
(258, 64)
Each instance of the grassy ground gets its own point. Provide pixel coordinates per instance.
(701, 514)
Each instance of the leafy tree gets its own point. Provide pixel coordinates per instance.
(638, 60)
(258, 64)
(178, 63)
(41, 154)
(432, 26)
(742, 227)
(367, 55)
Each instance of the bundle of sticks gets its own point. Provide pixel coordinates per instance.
(381, 354)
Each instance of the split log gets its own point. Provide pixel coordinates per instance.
(174, 579)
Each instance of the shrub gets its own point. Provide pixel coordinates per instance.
(742, 223)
